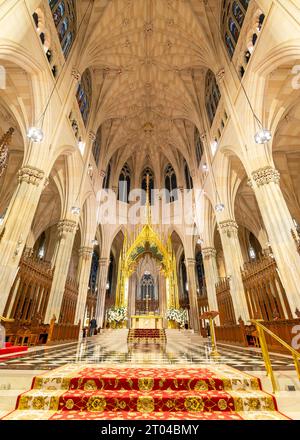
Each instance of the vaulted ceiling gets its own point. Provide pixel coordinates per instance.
(149, 59)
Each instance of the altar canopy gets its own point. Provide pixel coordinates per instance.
(148, 245)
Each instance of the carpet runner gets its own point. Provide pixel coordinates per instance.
(146, 336)
(10, 349)
(89, 392)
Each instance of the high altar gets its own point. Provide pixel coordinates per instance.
(146, 321)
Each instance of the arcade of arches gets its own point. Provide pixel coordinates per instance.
(166, 96)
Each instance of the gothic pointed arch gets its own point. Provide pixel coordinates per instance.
(124, 184)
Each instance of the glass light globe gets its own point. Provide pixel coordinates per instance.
(263, 136)
(94, 242)
(35, 134)
(75, 210)
(205, 167)
(219, 207)
(200, 241)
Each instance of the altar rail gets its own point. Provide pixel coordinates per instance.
(224, 300)
(265, 295)
(30, 292)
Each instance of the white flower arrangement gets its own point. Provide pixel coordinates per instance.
(177, 315)
(117, 314)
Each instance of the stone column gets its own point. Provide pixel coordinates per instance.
(234, 262)
(279, 224)
(194, 309)
(14, 232)
(66, 234)
(102, 280)
(83, 276)
(211, 277)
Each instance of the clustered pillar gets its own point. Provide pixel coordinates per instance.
(66, 233)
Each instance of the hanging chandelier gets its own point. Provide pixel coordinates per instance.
(4, 142)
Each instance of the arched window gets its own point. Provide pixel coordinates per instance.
(84, 95)
(200, 272)
(97, 146)
(124, 184)
(198, 146)
(170, 184)
(184, 283)
(94, 272)
(212, 95)
(233, 16)
(64, 17)
(107, 177)
(188, 177)
(147, 171)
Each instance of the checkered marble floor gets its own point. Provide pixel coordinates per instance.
(111, 347)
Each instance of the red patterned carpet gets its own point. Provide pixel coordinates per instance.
(147, 336)
(78, 392)
(14, 350)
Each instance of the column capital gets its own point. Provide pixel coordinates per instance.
(209, 252)
(103, 261)
(92, 136)
(85, 252)
(228, 227)
(30, 175)
(66, 227)
(203, 136)
(220, 75)
(266, 175)
(76, 74)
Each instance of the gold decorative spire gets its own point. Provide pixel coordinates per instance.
(148, 205)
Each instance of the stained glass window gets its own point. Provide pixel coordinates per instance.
(212, 95)
(124, 184)
(188, 177)
(64, 17)
(147, 171)
(170, 184)
(233, 16)
(107, 177)
(97, 146)
(84, 95)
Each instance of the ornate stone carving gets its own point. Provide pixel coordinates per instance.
(30, 175)
(229, 227)
(66, 227)
(203, 136)
(85, 252)
(266, 175)
(76, 74)
(209, 252)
